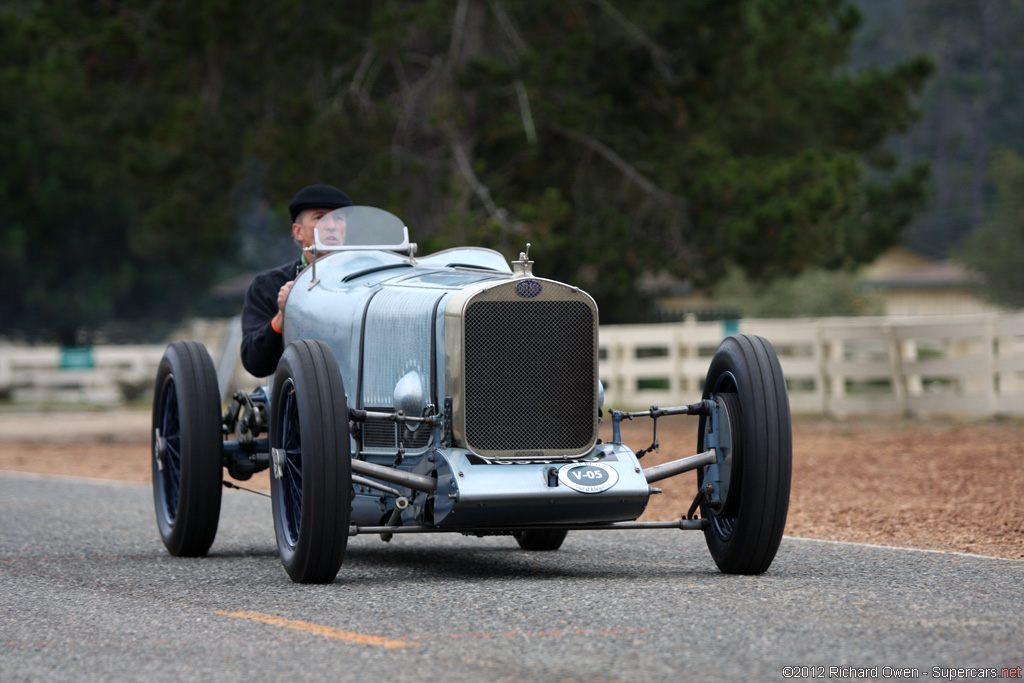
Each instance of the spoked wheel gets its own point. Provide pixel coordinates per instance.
(541, 539)
(186, 447)
(311, 476)
(752, 476)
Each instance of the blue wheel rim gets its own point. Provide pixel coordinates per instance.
(290, 484)
(724, 527)
(170, 430)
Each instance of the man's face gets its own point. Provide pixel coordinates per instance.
(305, 222)
(332, 229)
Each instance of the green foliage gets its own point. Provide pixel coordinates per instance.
(996, 249)
(970, 106)
(814, 293)
(699, 135)
(148, 146)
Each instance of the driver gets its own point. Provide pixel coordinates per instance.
(263, 311)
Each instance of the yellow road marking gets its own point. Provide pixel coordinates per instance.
(321, 630)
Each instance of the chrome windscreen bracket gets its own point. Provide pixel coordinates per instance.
(313, 282)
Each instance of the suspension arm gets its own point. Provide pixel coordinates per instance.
(416, 482)
(699, 408)
(684, 524)
(400, 417)
(671, 469)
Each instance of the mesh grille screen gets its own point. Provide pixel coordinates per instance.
(382, 437)
(529, 375)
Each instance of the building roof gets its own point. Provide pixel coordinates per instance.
(902, 268)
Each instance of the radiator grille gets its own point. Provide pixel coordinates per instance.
(382, 437)
(530, 376)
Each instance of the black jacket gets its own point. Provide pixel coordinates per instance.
(261, 345)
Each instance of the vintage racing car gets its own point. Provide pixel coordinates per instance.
(454, 393)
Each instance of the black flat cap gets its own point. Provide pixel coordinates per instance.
(318, 197)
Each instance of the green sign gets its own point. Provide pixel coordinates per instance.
(76, 358)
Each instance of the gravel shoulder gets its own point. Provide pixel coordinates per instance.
(932, 484)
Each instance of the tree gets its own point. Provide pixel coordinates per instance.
(996, 249)
(138, 137)
(690, 137)
(90, 224)
(970, 106)
(687, 136)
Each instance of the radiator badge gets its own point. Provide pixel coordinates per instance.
(588, 477)
(528, 288)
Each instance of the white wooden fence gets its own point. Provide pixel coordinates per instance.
(970, 365)
(112, 374)
(102, 375)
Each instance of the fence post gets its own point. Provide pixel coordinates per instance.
(896, 367)
(992, 363)
(837, 388)
(228, 357)
(6, 373)
(675, 381)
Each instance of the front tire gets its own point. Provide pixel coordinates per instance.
(187, 449)
(311, 477)
(746, 378)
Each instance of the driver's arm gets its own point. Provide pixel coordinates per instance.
(262, 344)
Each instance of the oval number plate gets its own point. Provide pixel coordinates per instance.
(587, 477)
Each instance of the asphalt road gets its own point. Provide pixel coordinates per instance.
(88, 593)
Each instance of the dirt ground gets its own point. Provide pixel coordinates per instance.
(942, 485)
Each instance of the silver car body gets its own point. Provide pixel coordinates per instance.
(509, 360)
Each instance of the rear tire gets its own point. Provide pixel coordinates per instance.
(187, 450)
(744, 536)
(541, 539)
(311, 477)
